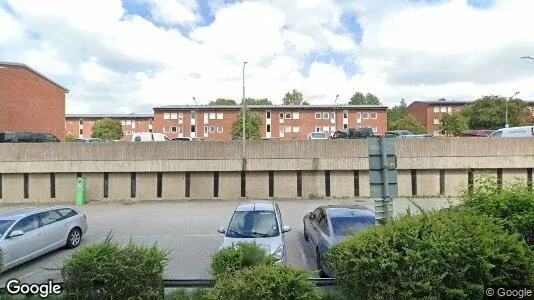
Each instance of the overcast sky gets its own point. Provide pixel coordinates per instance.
(128, 56)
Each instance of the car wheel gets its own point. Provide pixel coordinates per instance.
(74, 238)
(306, 237)
(322, 274)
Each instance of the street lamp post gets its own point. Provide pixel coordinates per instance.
(335, 113)
(506, 110)
(243, 136)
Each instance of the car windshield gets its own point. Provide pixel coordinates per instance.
(4, 225)
(253, 224)
(345, 226)
(318, 135)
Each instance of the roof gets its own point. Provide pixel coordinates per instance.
(22, 212)
(113, 116)
(256, 205)
(342, 210)
(454, 102)
(19, 65)
(273, 107)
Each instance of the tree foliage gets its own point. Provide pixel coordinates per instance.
(252, 126)
(293, 98)
(70, 137)
(396, 113)
(454, 124)
(488, 112)
(254, 101)
(409, 123)
(108, 129)
(223, 101)
(239, 257)
(360, 99)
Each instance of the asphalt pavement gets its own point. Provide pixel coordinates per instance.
(187, 229)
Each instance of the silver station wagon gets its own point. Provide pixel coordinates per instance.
(31, 232)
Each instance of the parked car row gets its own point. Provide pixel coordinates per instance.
(261, 222)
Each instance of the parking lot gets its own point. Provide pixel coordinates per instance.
(187, 229)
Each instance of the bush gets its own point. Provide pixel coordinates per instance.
(184, 294)
(451, 253)
(265, 282)
(106, 270)
(513, 205)
(238, 257)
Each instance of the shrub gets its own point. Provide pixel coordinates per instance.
(184, 294)
(106, 270)
(238, 257)
(451, 253)
(513, 205)
(265, 282)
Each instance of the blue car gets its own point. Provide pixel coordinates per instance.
(328, 225)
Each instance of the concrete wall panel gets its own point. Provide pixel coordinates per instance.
(119, 186)
(510, 176)
(285, 184)
(13, 189)
(39, 187)
(427, 182)
(365, 188)
(201, 185)
(146, 186)
(313, 185)
(229, 185)
(257, 186)
(95, 186)
(66, 187)
(173, 186)
(342, 184)
(455, 182)
(404, 183)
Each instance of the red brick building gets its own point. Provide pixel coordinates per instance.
(30, 101)
(278, 121)
(81, 125)
(430, 113)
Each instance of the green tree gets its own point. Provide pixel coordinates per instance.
(253, 101)
(223, 101)
(409, 123)
(396, 113)
(454, 124)
(70, 137)
(252, 126)
(108, 129)
(293, 98)
(488, 112)
(360, 99)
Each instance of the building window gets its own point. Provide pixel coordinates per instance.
(325, 115)
(345, 126)
(220, 129)
(332, 116)
(317, 115)
(375, 129)
(81, 122)
(81, 131)
(181, 129)
(173, 129)
(166, 130)
(128, 122)
(374, 115)
(436, 109)
(220, 116)
(150, 130)
(345, 114)
(288, 115)
(213, 129)
(193, 129)
(288, 129)
(296, 115)
(205, 129)
(268, 114)
(149, 122)
(325, 128)
(449, 110)
(443, 109)
(282, 129)
(318, 129)
(166, 116)
(193, 115)
(180, 115)
(212, 116)
(268, 127)
(123, 122)
(296, 129)
(281, 115)
(365, 115)
(174, 116)
(436, 121)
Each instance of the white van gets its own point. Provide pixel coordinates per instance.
(523, 131)
(149, 137)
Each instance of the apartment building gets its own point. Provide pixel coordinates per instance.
(30, 101)
(81, 125)
(430, 113)
(284, 122)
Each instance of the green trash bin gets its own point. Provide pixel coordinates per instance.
(81, 190)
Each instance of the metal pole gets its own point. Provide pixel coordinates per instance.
(243, 136)
(506, 110)
(335, 114)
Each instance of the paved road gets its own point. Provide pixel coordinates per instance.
(188, 229)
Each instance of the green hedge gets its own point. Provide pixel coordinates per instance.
(188, 294)
(238, 257)
(265, 282)
(106, 271)
(513, 205)
(450, 253)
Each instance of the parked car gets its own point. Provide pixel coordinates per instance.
(354, 133)
(186, 139)
(31, 232)
(259, 222)
(27, 137)
(149, 137)
(89, 140)
(328, 225)
(405, 134)
(523, 131)
(476, 133)
(317, 136)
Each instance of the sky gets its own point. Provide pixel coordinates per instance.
(131, 55)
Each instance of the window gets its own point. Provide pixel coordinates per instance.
(322, 223)
(374, 128)
(149, 122)
(282, 129)
(220, 116)
(193, 128)
(268, 114)
(268, 127)
(193, 115)
(166, 116)
(345, 114)
(443, 109)
(49, 217)
(81, 122)
(166, 130)
(288, 129)
(174, 116)
(449, 110)
(325, 115)
(296, 129)
(281, 115)
(332, 116)
(66, 213)
(345, 126)
(81, 132)
(296, 115)
(180, 115)
(206, 129)
(128, 122)
(253, 223)
(317, 129)
(173, 129)
(436, 109)
(288, 115)
(212, 116)
(27, 224)
(436, 121)
(365, 115)
(220, 129)
(317, 115)
(213, 129)
(123, 122)
(325, 128)
(374, 115)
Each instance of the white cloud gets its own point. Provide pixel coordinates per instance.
(412, 50)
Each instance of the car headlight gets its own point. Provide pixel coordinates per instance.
(279, 253)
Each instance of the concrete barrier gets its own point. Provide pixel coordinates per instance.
(268, 169)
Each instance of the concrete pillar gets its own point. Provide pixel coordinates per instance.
(95, 186)
(427, 183)
(229, 185)
(285, 184)
(13, 189)
(173, 185)
(342, 184)
(201, 185)
(258, 185)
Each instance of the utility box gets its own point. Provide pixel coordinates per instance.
(81, 190)
(382, 175)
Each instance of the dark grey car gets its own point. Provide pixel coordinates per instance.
(328, 225)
